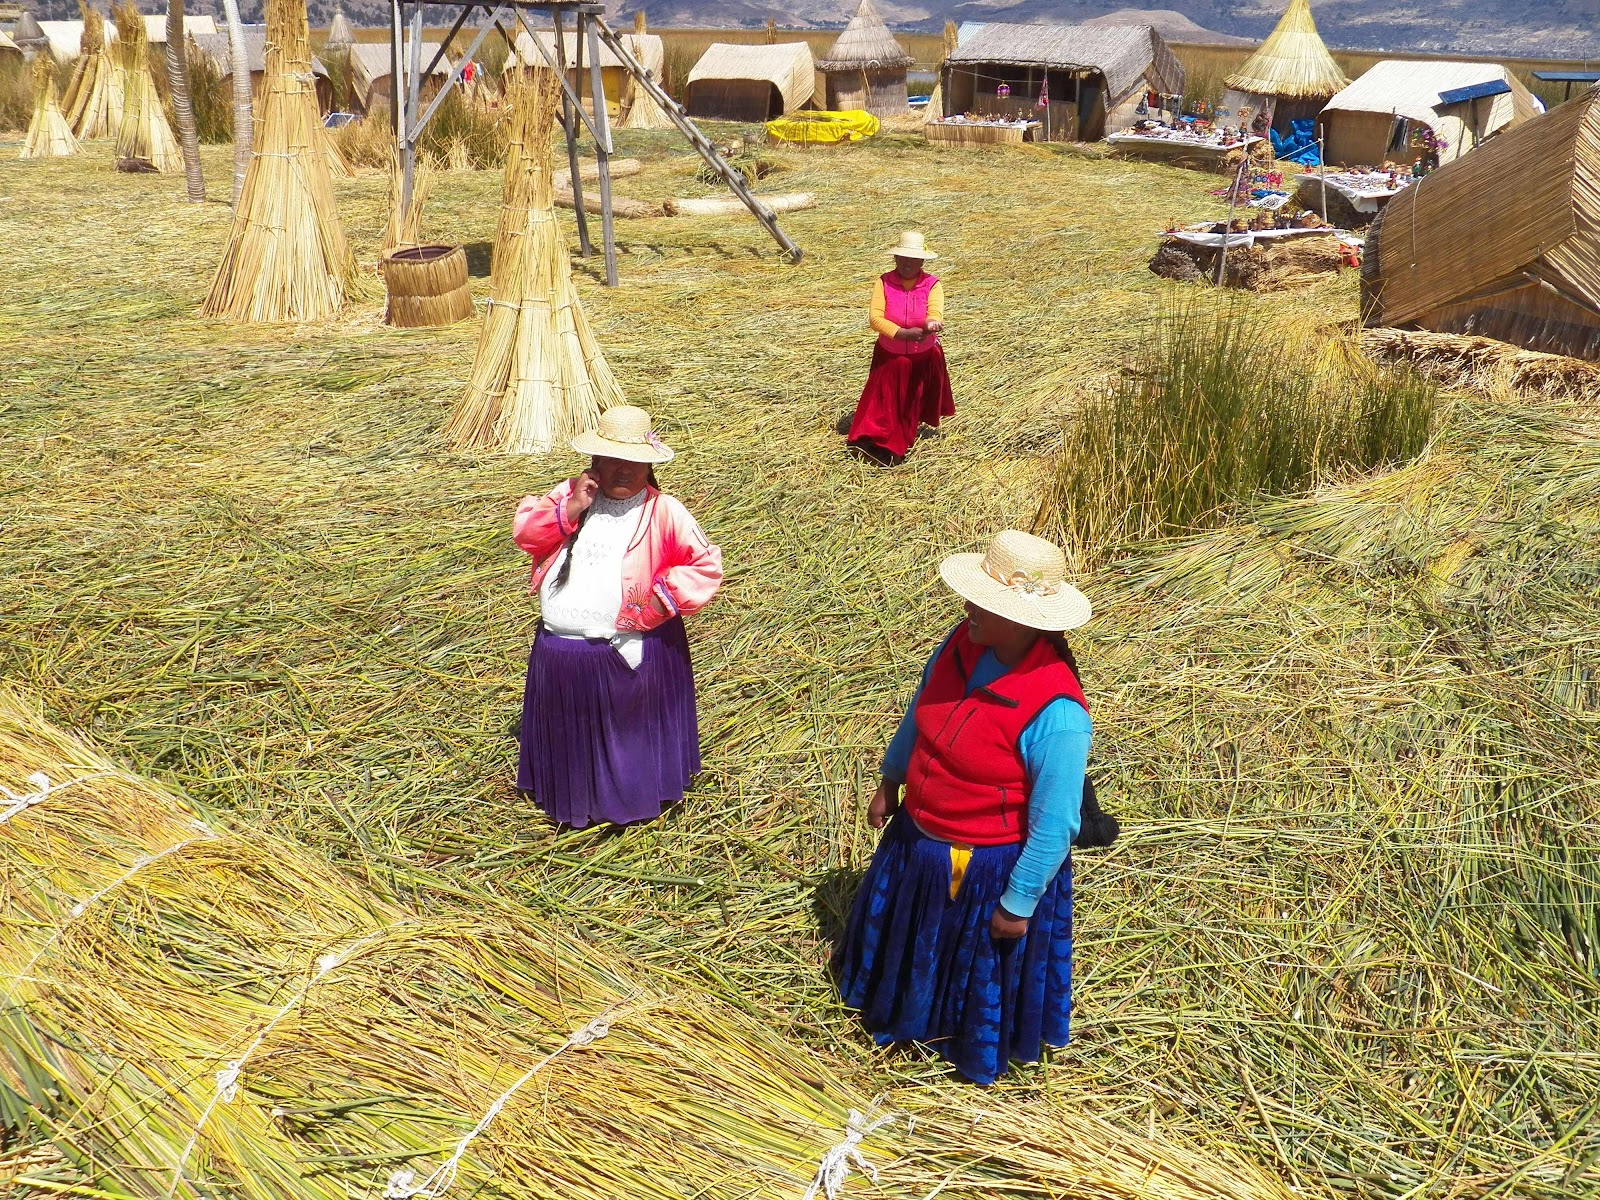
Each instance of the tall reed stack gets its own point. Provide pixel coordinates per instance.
(286, 258)
(49, 135)
(196, 1011)
(539, 376)
(143, 135)
(935, 107)
(94, 97)
(638, 108)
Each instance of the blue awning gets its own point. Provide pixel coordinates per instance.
(1495, 87)
(1568, 76)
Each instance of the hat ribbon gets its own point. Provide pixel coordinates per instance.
(654, 440)
(1022, 581)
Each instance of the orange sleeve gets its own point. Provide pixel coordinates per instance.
(935, 301)
(880, 323)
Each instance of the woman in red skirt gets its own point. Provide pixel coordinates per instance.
(908, 385)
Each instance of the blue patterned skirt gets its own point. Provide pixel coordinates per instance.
(922, 967)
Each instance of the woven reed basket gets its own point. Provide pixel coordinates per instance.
(427, 286)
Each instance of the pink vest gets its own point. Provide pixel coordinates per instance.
(907, 309)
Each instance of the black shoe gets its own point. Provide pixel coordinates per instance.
(842, 425)
(876, 453)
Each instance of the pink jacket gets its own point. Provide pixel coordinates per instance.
(671, 558)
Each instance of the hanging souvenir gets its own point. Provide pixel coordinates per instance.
(1003, 90)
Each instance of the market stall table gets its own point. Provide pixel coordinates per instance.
(959, 131)
(1184, 150)
(1353, 197)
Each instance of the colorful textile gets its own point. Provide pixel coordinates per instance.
(1055, 749)
(895, 307)
(902, 392)
(670, 559)
(602, 742)
(967, 781)
(824, 128)
(921, 966)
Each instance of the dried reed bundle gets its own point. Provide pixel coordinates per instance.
(1482, 363)
(458, 158)
(200, 1011)
(935, 106)
(143, 135)
(727, 206)
(539, 376)
(405, 228)
(95, 95)
(49, 135)
(286, 259)
(637, 108)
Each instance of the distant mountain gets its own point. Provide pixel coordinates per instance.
(1173, 26)
(1565, 29)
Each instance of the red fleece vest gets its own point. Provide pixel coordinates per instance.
(967, 781)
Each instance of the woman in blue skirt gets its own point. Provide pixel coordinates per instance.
(961, 934)
(609, 732)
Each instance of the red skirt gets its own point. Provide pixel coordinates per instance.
(902, 392)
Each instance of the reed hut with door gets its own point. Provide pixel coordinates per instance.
(865, 67)
(647, 49)
(215, 46)
(370, 75)
(1291, 72)
(1503, 242)
(1091, 77)
(750, 83)
(1380, 116)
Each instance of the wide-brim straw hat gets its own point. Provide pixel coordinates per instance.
(912, 245)
(624, 432)
(1021, 578)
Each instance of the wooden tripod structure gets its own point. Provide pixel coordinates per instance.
(407, 71)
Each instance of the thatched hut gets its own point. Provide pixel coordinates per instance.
(66, 37)
(215, 46)
(648, 50)
(370, 74)
(750, 83)
(1380, 115)
(1292, 72)
(1531, 274)
(866, 67)
(340, 35)
(28, 36)
(1092, 77)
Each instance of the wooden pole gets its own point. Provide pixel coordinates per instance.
(570, 125)
(408, 160)
(602, 144)
(1227, 230)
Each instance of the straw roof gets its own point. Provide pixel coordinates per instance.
(865, 43)
(370, 60)
(1412, 90)
(27, 34)
(1293, 62)
(647, 49)
(1127, 55)
(215, 46)
(785, 65)
(65, 37)
(7, 45)
(339, 33)
(1545, 221)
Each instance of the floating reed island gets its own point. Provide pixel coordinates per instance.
(196, 1010)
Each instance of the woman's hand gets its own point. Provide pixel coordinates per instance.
(585, 487)
(884, 803)
(935, 328)
(912, 333)
(1003, 927)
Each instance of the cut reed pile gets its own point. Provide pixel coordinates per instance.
(49, 135)
(539, 375)
(239, 555)
(143, 135)
(195, 1010)
(95, 95)
(1480, 362)
(287, 259)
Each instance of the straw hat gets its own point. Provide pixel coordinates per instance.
(1021, 578)
(624, 432)
(912, 246)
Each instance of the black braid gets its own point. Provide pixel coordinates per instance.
(566, 563)
(1058, 642)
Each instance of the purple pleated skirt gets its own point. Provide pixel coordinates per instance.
(602, 742)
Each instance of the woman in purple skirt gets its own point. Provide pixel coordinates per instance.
(609, 732)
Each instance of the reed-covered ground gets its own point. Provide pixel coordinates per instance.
(1349, 930)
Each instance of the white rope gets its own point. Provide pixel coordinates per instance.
(231, 1075)
(83, 906)
(837, 1161)
(402, 1184)
(43, 789)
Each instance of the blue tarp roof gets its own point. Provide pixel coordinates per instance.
(1568, 76)
(1476, 91)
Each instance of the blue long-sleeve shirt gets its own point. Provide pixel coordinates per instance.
(1055, 753)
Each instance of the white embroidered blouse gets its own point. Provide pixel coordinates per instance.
(587, 606)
